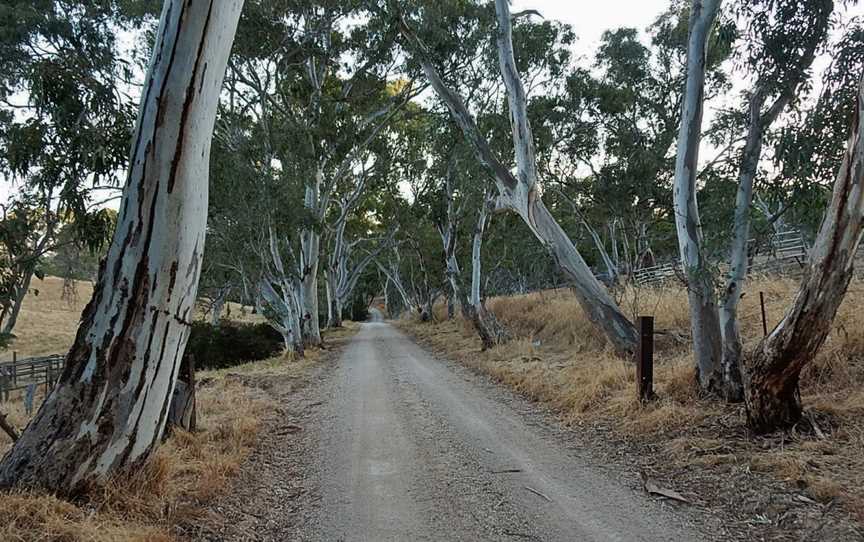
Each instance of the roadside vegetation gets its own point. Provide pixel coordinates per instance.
(188, 471)
(555, 358)
(436, 153)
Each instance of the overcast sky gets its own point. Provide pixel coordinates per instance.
(590, 19)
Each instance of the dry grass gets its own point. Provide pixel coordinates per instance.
(47, 323)
(560, 359)
(187, 471)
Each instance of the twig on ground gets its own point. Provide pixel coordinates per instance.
(534, 491)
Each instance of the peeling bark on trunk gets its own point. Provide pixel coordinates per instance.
(310, 252)
(283, 296)
(759, 122)
(520, 193)
(487, 325)
(704, 318)
(771, 374)
(108, 410)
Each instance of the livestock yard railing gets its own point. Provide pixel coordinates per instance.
(785, 252)
(20, 374)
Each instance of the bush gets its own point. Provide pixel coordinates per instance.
(231, 343)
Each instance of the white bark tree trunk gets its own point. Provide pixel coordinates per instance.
(108, 410)
(520, 193)
(341, 277)
(488, 327)
(771, 374)
(759, 122)
(738, 258)
(700, 279)
(476, 248)
(391, 271)
(283, 294)
(310, 252)
(218, 305)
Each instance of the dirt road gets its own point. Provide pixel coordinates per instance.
(411, 448)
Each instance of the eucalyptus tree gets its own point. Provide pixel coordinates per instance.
(771, 374)
(807, 155)
(319, 76)
(109, 407)
(521, 193)
(457, 197)
(345, 240)
(65, 123)
(780, 42)
(700, 286)
(253, 219)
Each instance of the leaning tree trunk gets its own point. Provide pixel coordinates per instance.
(738, 257)
(771, 374)
(488, 327)
(704, 318)
(17, 303)
(109, 408)
(519, 193)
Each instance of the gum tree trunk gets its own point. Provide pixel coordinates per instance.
(760, 120)
(520, 194)
(738, 257)
(771, 374)
(282, 294)
(488, 327)
(310, 251)
(109, 408)
(700, 279)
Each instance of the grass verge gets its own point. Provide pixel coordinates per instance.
(187, 471)
(558, 357)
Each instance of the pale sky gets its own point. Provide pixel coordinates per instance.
(590, 19)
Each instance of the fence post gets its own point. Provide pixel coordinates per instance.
(645, 359)
(14, 368)
(4, 386)
(764, 320)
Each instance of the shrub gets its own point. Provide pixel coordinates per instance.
(231, 343)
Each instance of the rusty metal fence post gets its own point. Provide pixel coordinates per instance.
(645, 359)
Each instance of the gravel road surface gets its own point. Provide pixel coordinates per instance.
(412, 448)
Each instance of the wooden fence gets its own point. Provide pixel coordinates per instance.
(784, 253)
(19, 374)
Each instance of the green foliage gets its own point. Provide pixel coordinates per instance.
(231, 343)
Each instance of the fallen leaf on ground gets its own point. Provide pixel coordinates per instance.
(654, 488)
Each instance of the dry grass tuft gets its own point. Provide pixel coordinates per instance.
(187, 470)
(47, 323)
(559, 358)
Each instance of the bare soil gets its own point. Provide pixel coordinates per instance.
(388, 443)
